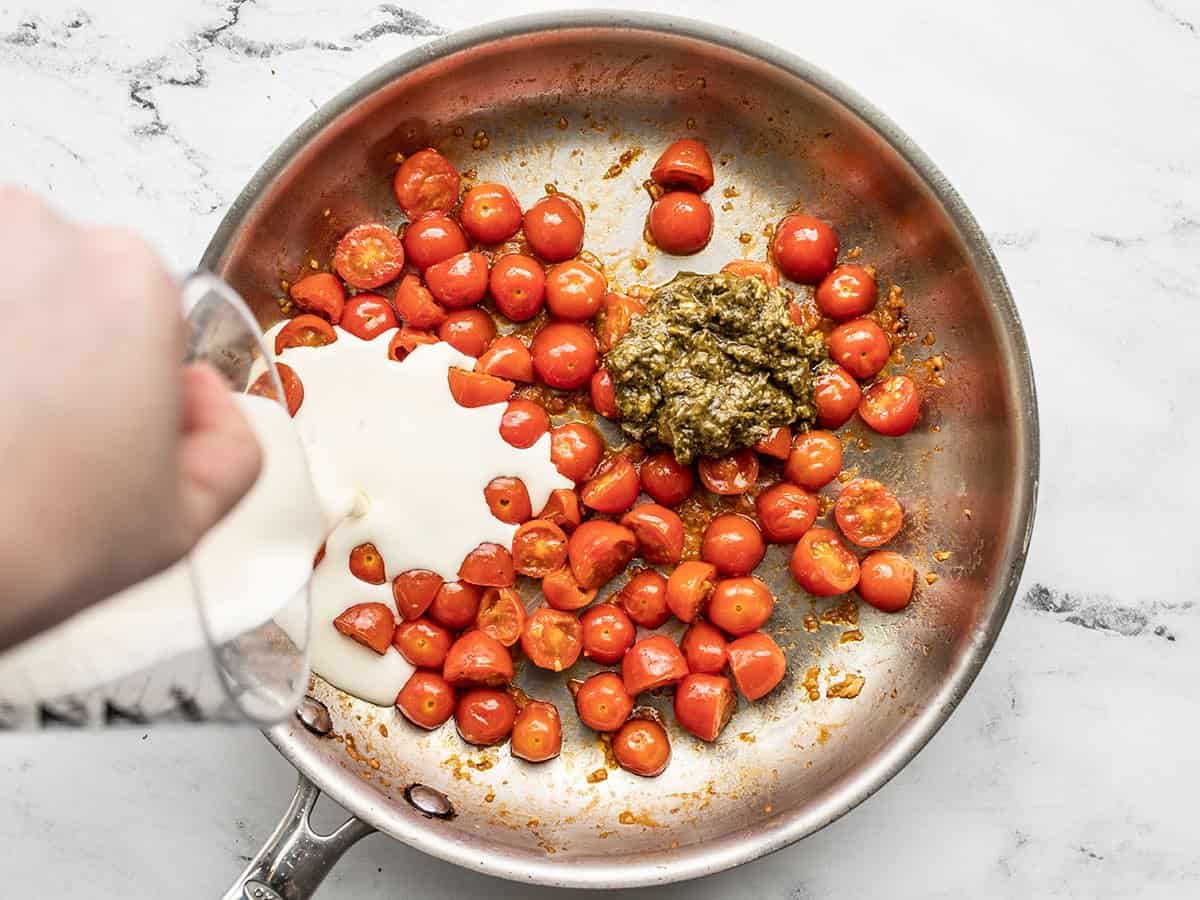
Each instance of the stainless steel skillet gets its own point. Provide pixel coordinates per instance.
(584, 100)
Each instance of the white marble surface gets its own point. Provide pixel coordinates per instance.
(1071, 130)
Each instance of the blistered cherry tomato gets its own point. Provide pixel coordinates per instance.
(562, 591)
(667, 480)
(564, 355)
(868, 513)
(860, 346)
(651, 663)
(414, 590)
(891, 406)
(777, 443)
(523, 423)
(642, 747)
(733, 544)
(366, 564)
(887, 580)
(684, 164)
(485, 716)
(740, 605)
(506, 357)
(426, 182)
(680, 223)
(554, 228)
(369, 256)
(488, 565)
(603, 703)
(607, 633)
(416, 305)
(604, 395)
(293, 389)
(371, 624)
(455, 605)
(433, 238)
(729, 475)
(406, 340)
(822, 565)
(473, 389)
(321, 294)
(659, 533)
(477, 658)
(460, 281)
(599, 550)
(836, 395)
(304, 331)
(426, 700)
(563, 509)
(508, 499)
(785, 512)
(704, 704)
(537, 732)
(367, 316)
(501, 615)
(574, 290)
(689, 588)
(539, 547)
(615, 318)
(753, 268)
(552, 639)
(846, 292)
(575, 450)
(704, 648)
(613, 487)
(518, 285)
(644, 598)
(815, 460)
(469, 331)
(757, 664)
(490, 213)
(423, 643)
(804, 248)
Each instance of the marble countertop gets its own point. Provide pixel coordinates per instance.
(1070, 769)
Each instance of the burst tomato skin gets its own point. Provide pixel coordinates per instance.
(413, 592)
(644, 599)
(554, 229)
(538, 548)
(785, 512)
(608, 633)
(891, 406)
(523, 423)
(370, 624)
(729, 475)
(757, 664)
(501, 615)
(490, 213)
(753, 268)
(508, 500)
(680, 223)
(659, 533)
(563, 509)
(847, 292)
(458, 281)
(822, 565)
(564, 355)
(777, 444)
(485, 716)
(642, 748)
(416, 305)
(615, 318)
(868, 513)
(740, 605)
(537, 732)
(613, 487)
(455, 604)
(684, 164)
(426, 700)
(406, 340)
(733, 543)
(804, 248)
(426, 182)
(367, 316)
(432, 239)
(518, 285)
(423, 643)
(861, 347)
(477, 659)
(668, 481)
(815, 460)
(507, 357)
(470, 331)
(562, 591)
(304, 331)
(575, 450)
(603, 703)
(552, 639)
(651, 663)
(836, 395)
(689, 588)
(704, 704)
(887, 580)
(321, 294)
(369, 256)
(488, 565)
(472, 389)
(704, 648)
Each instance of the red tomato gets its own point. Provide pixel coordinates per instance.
(603, 703)
(460, 281)
(539, 547)
(293, 389)
(644, 598)
(562, 591)
(887, 580)
(891, 406)
(369, 256)
(785, 512)
(416, 305)
(667, 480)
(366, 564)
(367, 316)
(689, 587)
(729, 475)
(613, 487)
(501, 615)
(518, 285)
(477, 658)
(469, 331)
(704, 704)
(615, 318)
(599, 550)
(554, 228)
(651, 663)
(822, 565)
(507, 358)
(680, 223)
(473, 389)
(426, 700)
(490, 213)
(685, 164)
(860, 346)
(406, 340)
(485, 716)
(564, 355)
(321, 294)
(740, 605)
(552, 639)
(575, 450)
(659, 533)
(752, 268)
(733, 544)
(304, 331)
(574, 290)
(642, 747)
(523, 423)
(414, 591)
(423, 643)
(846, 292)
(868, 513)
(704, 648)
(757, 664)
(488, 565)
(371, 624)
(777, 443)
(508, 500)
(562, 509)
(607, 633)
(426, 182)
(815, 460)
(537, 732)
(455, 605)
(804, 248)
(836, 395)
(604, 395)
(433, 238)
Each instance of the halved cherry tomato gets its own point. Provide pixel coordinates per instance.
(426, 182)
(423, 643)
(644, 598)
(804, 248)
(371, 624)
(518, 285)
(562, 591)
(563, 509)
(304, 331)
(686, 164)
(460, 281)
(667, 480)
(642, 747)
(822, 565)
(293, 389)
(651, 663)
(785, 512)
(523, 423)
(599, 550)
(704, 648)
(537, 732)
(552, 639)
(887, 580)
(508, 500)
(836, 395)
(469, 331)
(602, 702)
(539, 547)
(757, 664)
(891, 406)
(485, 716)
(554, 228)
(604, 395)
(613, 487)
(507, 358)
(574, 290)
(615, 318)
(369, 256)
(846, 292)
(868, 513)
(477, 658)
(729, 475)
(740, 605)
(689, 587)
(777, 443)
(416, 305)
(473, 389)
(414, 591)
(704, 704)
(367, 316)
(321, 294)
(406, 340)
(366, 564)
(564, 355)
(659, 533)
(455, 605)
(753, 268)
(733, 544)
(680, 223)
(490, 213)
(488, 565)
(433, 238)
(426, 700)
(501, 615)
(815, 460)
(860, 346)
(607, 633)
(575, 450)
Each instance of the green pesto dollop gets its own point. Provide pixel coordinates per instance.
(712, 366)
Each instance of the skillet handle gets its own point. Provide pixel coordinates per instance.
(295, 859)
